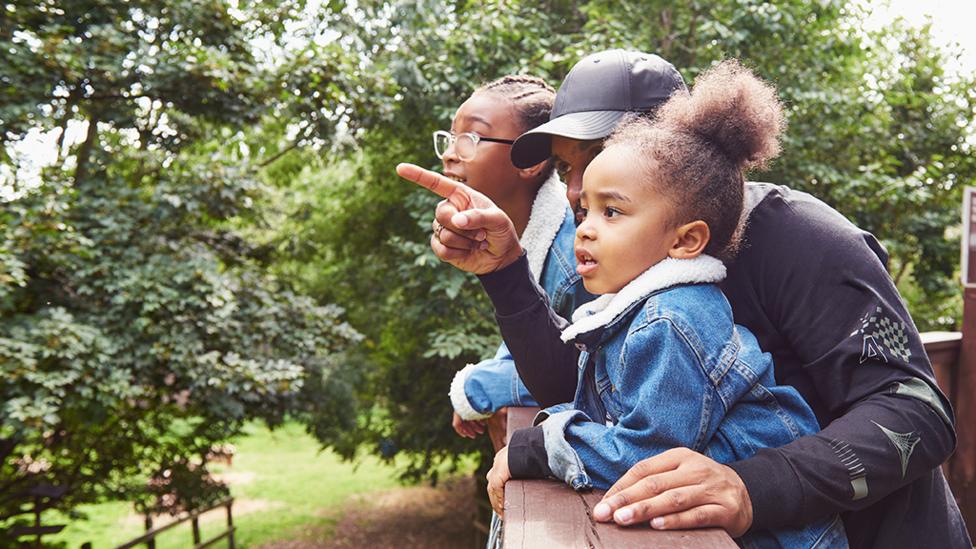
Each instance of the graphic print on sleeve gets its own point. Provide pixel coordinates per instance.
(856, 470)
(904, 443)
(881, 334)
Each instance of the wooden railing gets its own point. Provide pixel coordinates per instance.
(945, 350)
(548, 514)
(149, 538)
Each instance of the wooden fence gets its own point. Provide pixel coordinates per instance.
(149, 538)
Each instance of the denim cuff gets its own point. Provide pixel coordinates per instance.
(773, 487)
(564, 462)
(511, 289)
(459, 397)
(527, 454)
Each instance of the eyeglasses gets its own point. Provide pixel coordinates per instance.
(465, 144)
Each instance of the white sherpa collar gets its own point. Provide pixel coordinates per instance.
(548, 211)
(666, 273)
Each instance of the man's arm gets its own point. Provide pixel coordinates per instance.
(845, 339)
(531, 330)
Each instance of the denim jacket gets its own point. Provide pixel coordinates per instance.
(663, 366)
(480, 389)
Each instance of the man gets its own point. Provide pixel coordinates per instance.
(810, 285)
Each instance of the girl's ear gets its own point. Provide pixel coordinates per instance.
(690, 240)
(533, 172)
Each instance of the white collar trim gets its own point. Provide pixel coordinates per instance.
(545, 218)
(666, 273)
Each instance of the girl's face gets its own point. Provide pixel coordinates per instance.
(490, 171)
(625, 228)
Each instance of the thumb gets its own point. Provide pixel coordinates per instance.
(492, 220)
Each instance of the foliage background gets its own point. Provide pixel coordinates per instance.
(224, 184)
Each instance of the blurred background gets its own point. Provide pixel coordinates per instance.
(212, 283)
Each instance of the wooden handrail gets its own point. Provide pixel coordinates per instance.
(547, 514)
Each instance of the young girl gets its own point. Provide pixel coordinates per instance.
(477, 151)
(663, 365)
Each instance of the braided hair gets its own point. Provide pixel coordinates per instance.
(531, 97)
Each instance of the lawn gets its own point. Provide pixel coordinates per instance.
(282, 485)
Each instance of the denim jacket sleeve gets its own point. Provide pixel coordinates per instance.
(667, 400)
(481, 389)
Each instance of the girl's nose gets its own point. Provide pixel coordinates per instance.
(585, 231)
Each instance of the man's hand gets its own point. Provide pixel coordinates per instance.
(470, 231)
(679, 489)
(497, 477)
(467, 428)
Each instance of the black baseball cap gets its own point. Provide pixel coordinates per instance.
(596, 94)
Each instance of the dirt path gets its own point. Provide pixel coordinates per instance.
(418, 516)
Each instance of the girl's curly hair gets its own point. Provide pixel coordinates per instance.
(697, 148)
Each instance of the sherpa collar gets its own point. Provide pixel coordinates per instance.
(545, 218)
(666, 273)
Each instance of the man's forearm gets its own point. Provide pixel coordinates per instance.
(879, 446)
(531, 330)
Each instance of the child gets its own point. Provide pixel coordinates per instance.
(477, 151)
(663, 365)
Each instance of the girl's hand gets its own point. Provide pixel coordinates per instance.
(467, 428)
(497, 477)
(470, 231)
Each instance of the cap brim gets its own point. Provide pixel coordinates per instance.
(535, 145)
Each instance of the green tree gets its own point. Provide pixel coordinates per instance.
(139, 325)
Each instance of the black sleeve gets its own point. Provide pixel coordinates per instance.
(844, 338)
(527, 457)
(531, 330)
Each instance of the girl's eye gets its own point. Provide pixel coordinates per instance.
(581, 213)
(611, 212)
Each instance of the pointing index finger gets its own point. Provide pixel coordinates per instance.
(433, 181)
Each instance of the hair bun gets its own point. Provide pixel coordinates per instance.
(731, 108)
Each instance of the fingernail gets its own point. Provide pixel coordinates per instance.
(483, 245)
(624, 515)
(460, 220)
(602, 511)
(657, 523)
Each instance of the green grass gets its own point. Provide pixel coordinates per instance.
(297, 486)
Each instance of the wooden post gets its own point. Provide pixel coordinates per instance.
(37, 521)
(195, 523)
(963, 465)
(230, 526)
(151, 543)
